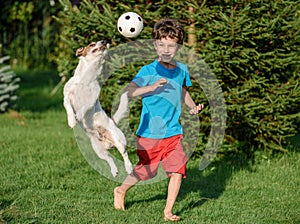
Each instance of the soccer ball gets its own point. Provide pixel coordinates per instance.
(130, 24)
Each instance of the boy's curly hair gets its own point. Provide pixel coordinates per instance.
(168, 28)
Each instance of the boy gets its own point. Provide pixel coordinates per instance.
(162, 85)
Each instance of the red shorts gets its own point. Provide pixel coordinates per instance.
(151, 152)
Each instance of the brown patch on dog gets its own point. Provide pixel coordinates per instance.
(105, 137)
(79, 51)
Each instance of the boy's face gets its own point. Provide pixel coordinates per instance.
(166, 49)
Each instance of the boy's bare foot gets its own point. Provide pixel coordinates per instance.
(171, 217)
(119, 198)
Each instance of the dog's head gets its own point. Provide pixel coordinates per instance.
(94, 50)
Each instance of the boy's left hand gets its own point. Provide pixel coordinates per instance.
(196, 109)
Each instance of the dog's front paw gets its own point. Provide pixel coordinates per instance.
(71, 122)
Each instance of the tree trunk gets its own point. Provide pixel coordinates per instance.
(191, 30)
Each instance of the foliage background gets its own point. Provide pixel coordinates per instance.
(28, 33)
(252, 47)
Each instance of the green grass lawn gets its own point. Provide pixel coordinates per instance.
(45, 179)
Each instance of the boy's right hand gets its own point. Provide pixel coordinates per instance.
(159, 83)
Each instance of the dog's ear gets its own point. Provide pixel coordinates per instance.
(79, 51)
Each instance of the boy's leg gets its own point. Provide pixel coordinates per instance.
(173, 190)
(120, 192)
(142, 171)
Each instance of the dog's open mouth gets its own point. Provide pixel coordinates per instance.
(94, 48)
(101, 48)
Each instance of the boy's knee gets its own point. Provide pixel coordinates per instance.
(176, 175)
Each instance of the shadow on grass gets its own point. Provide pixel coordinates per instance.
(210, 183)
(203, 185)
(7, 211)
(35, 89)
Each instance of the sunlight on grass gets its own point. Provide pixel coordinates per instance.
(45, 179)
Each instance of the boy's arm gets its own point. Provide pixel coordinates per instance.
(135, 90)
(187, 99)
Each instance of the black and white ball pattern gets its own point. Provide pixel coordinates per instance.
(130, 24)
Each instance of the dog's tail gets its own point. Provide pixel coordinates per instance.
(122, 110)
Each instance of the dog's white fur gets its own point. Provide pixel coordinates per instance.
(81, 101)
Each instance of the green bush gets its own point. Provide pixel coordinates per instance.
(251, 46)
(253, 49)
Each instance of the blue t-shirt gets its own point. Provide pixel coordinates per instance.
(161, 109)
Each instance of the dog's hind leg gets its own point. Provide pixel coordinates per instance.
(102, 153)
(122, 149)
